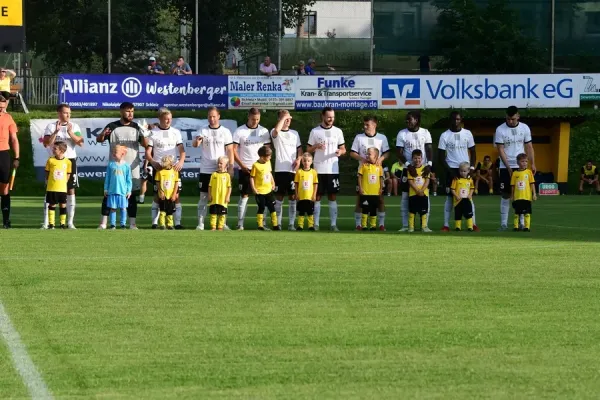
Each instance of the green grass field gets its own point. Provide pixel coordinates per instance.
(198, 315)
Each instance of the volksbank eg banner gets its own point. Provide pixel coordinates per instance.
(93, 157)
(144, 91)
(358, 92)
(480, 91)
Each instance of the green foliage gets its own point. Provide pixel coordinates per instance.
(484, 40)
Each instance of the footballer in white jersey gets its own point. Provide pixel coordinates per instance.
(412, 138)
(363, 142)
(288, 153)
(512, 138)
(247, 139)
(457, 145)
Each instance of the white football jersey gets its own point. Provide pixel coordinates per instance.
(362, 142)
(286, 145)
(514, 140)
(249, 140)
(63, 136)
(411, 141)
(456, 145)
(164, 142)
(214, 141)
(325, 160)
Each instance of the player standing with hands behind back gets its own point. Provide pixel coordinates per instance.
(512, 138)
(327, 143)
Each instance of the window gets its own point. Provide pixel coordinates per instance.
(310, 23)
(592, 25)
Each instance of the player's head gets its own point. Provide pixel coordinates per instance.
(119, 152)
(417, 157)
(455, 121)
(413, 120)
(464, 168)
(287, 118)
(589, 164)
(370, 124)
(487, 159)
(165, 117)
(64, 112)
(307, 160)
(265, 153)
(126, 110)
(327, 117)
(253, 118)
(522, 160)
(59, 149)
(222, 163)
(512, 116)
(372, 154)
(3, 103)
(213, 117)
(167, 162)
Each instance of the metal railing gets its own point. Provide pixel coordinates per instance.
(38, 90)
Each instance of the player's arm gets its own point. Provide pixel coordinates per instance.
(341, 150)
(149, 158)
(315, 186)
(230, 155)
(530, 155)
(107, 180)
(311, 147)
(385, 152)
(381, 184)
(237, 158)
(473, 157)
(252, 175)
(359, 179)
(272, 181)
(128, 181)
(503, 157)
(279, 125)
(105, 134)
(179, 166)
(197, 140)
(429, 153)
(10, 73)
(442, 156)
(14, 144)
(210, 185)
(75, 135)
(533, 194)
(228, 195)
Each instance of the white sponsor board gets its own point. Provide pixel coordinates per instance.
(356, 92)
(264, 92)
(590, 88)
(92, 158)
(480, 91)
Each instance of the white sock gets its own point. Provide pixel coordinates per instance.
(131, 221)
(45, 214)
(504, 206)
(242, 207)
(522, 220)
(317, 213)
(141, 198)
(202, 207)
(155, 213)
(278, 206)
(428, 210)
(447, 211)
(473, 206)
(381, 218)
(357, 218)
(177, 215)
(70, 208)
(333, 211)
(404, 206)
(292, 212)
(104, 221)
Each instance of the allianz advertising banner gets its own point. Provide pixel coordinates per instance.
(144, 91)
(93, 157)
(480, 91)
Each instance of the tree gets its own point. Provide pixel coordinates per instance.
(489, 40)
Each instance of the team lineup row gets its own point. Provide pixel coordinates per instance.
(326, 144)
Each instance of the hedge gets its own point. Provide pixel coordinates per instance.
(585, 139)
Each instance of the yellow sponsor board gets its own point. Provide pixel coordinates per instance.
(11, 12)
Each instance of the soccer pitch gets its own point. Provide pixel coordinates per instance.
(198, 315)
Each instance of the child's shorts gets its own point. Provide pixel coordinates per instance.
(418, 205)
(115, 201)
(463, 209)
(522, 206)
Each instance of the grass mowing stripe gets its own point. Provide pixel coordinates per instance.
(23, 364)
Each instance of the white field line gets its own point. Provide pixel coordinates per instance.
(23, 364)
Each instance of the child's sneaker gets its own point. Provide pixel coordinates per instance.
(470, 230)
(300, 229)
(261, 228)
(457, 230)
(63, 226)
(409, 230)
(276, 228)
(526, 230)
(123, 227)
(515, 229)
(162, 227)
(404, 229)
(426, 230)
(170, 228)
(154, 226)
(373, 229)
(312, 228)
(112, 227)
(50, 226)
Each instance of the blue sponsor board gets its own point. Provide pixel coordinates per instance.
(144, 91)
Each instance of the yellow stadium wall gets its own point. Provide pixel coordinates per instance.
(550, 143)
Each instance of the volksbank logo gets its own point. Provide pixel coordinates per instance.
(462, 88)
(397, 91)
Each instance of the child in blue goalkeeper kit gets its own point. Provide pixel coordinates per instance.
(117, 187)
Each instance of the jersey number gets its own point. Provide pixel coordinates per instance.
(336, 183)
(502, 185)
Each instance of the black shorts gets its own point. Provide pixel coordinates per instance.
(522, 206)
(505, 181)
(284, 183)
(328, 184)
(167, 206)
(369, 204)
(418, 205)
(403, 184)
(56, 198)
(244, 183)
(450, 175)
(5, 164)
(148, 174)
(464, 209)
(305, 207)
(74, 179)
(265, 201)
(204, 182)
(217, 209)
